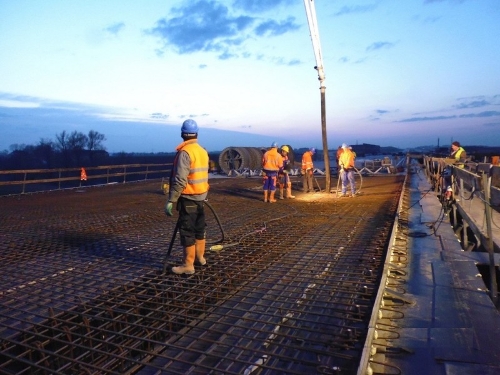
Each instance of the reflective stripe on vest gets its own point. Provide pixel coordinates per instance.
(272, 160)
(198, 169)
(307, 162)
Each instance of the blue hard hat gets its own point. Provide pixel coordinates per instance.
(274, 144)
(313, 150)
(189, 127)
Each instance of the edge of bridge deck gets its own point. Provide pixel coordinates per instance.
(443, 320)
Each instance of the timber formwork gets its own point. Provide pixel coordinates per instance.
(83, 290)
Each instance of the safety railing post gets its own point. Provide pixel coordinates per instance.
(24, 182)
(487, 206)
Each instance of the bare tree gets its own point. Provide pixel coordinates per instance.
(76, 144)
(62, 141)
(63, 147)
(94, 141)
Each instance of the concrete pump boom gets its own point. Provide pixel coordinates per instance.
(313, 28)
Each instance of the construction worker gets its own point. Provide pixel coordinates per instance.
(458, 153)
(346, 164)
(284, 176)
(188, 190)
(308, 170)
(272, 164)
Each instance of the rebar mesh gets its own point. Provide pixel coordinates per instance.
(82, 289)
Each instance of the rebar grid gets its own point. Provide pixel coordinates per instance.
(82, 290)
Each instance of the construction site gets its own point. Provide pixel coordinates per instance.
(292, 287)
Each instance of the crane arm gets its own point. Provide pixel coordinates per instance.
(313, 28)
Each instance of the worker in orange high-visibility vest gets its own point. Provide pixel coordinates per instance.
(83, 175)
(308, 170)
(272, 164)
(188, 191)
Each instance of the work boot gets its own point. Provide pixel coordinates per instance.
(289, 193)
(271, 197)
(265, 195)
(200, 252)
(281, 194)
(188, 267)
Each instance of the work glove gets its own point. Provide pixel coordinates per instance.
(169, 206)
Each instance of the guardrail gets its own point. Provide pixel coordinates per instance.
(473, 179)
(471, 193)
(24, 181)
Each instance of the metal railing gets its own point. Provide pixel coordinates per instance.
(24, 181)
(474, 190)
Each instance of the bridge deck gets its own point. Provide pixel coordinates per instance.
(292, 291)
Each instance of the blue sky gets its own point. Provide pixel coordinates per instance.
(398, 73)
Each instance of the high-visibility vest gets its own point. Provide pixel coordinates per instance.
(346, 159)
(457, 154)
(272, 160)
(198, 170)
(307, 162)
(83, 175)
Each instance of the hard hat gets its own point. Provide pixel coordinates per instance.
(274, 144)
(344, 145)
(189, 127)
(313, 150)
(449, 188)
(285, 148)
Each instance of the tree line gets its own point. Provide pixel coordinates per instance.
(68, 150)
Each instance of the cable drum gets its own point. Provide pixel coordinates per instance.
(239, 158)
(256, 157)
(234, 158)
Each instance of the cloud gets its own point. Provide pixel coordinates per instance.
(273, 28)
(379, 45)
(434, 118)
(115, 28)
(481, 114)
(473, 104)
(477, 101)
(439, 118)
(158, 115)
(443, 1)
(355, 9)
(29, 125)
(201, 26)
(260, 6)
(208, 26)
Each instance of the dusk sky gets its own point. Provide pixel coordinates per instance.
(401, 73)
